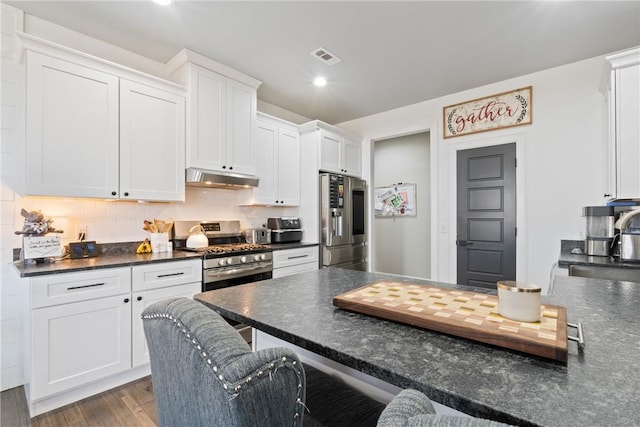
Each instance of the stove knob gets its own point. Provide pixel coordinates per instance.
(222, 261)
(229, 261)
(243, 259)
(256, 257)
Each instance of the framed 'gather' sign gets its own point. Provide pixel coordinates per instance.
(503, 110)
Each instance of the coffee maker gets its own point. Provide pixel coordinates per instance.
(627, 238)
(599, 230)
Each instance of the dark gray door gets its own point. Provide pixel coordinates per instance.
(486, 224)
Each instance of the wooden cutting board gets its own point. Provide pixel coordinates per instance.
(463, 314)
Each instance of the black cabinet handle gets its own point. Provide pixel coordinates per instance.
(607, 195)
(126, 300)
(139, 298)
(126, 194)
(113, 193)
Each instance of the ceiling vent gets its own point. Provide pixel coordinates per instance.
(325, 56)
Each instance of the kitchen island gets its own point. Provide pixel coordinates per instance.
(597, 387)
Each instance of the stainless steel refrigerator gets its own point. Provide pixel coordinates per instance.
(343, 221)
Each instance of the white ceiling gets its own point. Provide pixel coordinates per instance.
(393, 53)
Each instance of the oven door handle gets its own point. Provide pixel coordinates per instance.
(230, 271)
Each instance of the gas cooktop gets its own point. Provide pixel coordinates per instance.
(230, 248)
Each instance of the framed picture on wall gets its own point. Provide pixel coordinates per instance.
(395, 200)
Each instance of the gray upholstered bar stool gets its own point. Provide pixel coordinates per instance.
(205, 374)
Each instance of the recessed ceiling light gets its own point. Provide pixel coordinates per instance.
(163, 2)
(320, 81)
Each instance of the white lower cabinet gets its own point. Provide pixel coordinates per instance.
(292, 261)
(142, 300)
(85, 328)
(77, 343)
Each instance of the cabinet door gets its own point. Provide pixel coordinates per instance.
(266, 147)
(241, 119)
(152, 138)
(207, 116)
(628, 131)
(72, 129)
(288, 169)
(330, 150)
(352, 163)
(142, 300)
(74, 344)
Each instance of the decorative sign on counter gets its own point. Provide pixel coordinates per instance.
(35, 247)
(493, 112)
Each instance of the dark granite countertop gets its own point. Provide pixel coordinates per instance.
(120, 255)
(598, 385)
(566, 258)
(103, 261)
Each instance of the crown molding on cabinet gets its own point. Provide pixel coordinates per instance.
(187, 55)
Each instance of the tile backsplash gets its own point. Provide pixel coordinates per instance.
(122, 221)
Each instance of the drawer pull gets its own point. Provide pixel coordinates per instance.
(171, 274)
(298, 256)
(84, 286)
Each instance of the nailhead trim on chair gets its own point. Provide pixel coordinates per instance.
(271, 366)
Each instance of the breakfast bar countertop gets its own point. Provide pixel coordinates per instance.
(597, 386)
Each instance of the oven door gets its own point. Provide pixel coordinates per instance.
(223, 277)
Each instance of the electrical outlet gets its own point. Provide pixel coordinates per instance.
(81, 232)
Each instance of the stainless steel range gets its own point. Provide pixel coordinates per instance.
(228, 260)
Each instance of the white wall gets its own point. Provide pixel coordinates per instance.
(403, 245)
(12, 293)
(560, 157)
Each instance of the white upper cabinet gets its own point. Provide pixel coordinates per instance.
(339, 152)
(221, 114)
(72, 129)
(621, 86)
(152, 137)
(96, 129)
(277, 148)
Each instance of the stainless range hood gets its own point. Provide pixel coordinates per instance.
(213, 179)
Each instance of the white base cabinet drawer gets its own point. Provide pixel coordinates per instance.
(73, 344)
(66, 288)
(151, 276)
(289, 257)
(292, 261)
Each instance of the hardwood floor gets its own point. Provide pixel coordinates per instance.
(130, 405)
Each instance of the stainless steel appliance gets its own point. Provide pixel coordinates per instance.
(257, 235)
(285, 229)
(228, 260)
(343, 219)
(599, 229)
(629, 226)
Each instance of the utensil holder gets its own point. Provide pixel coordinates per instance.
(159, 242)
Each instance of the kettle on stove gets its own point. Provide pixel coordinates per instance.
(197, 238)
